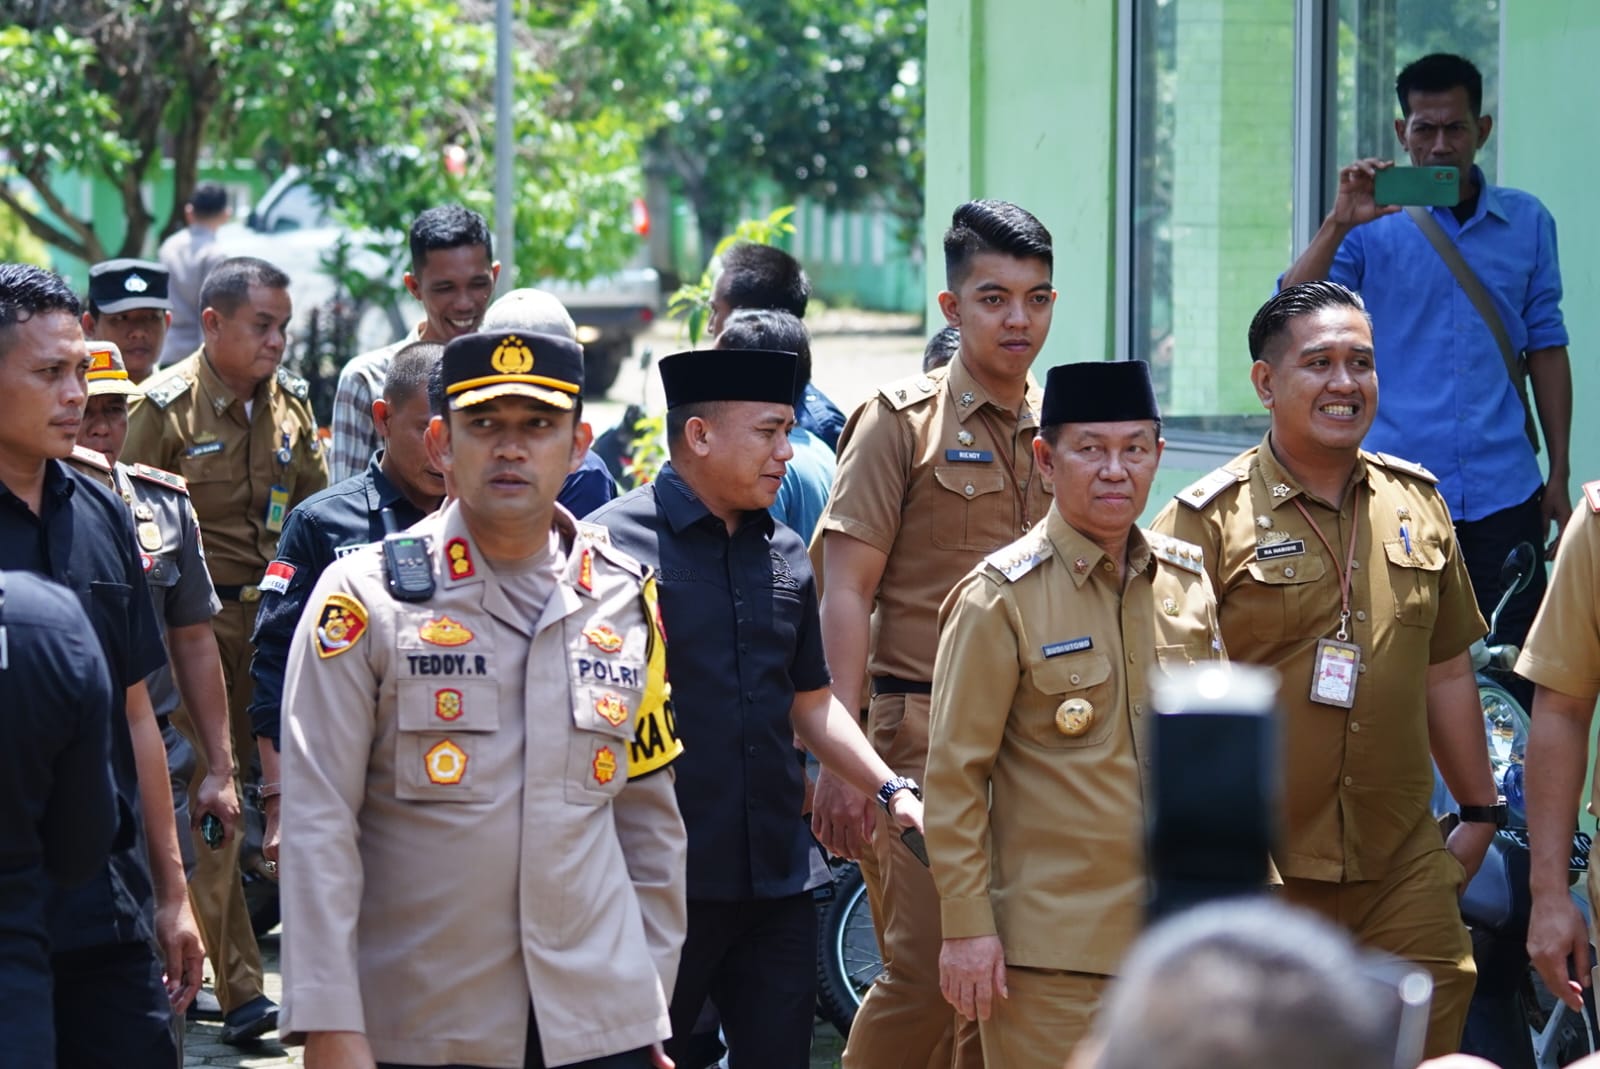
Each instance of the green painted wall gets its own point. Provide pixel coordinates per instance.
(1022, 106)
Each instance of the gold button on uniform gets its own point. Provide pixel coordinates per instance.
(1074, 717)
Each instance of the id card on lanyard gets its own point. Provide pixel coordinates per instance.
(1337, 665)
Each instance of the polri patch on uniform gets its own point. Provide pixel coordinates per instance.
(459, 554)
(605, 765)
(276, 581)
(447, 704)
(445, 763)
(968, 456)
(603, 638)
(1071, 645)
(340, 624)
(205, 449)
(612, 709)
(1293, 548)
(443, 631)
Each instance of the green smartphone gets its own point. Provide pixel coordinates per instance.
(1428, 186)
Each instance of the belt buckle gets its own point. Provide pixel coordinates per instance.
(249, 594)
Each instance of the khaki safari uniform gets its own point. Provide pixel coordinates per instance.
(1563, 650)
(470, 819)
(1037, 764)
(936, 475)
(244, 474)
(1360, 843)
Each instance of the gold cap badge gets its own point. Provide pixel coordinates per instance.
(512, 357)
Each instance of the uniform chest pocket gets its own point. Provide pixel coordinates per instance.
(443, 726)
(597, 747)
(1076, 703)
(1414, 579)
(206, 463)
(972, 513)
(1287, 595)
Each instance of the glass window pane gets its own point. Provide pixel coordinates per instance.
(1212, 197)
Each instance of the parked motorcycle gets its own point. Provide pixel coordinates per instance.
(848, 961)
(1513, 1020)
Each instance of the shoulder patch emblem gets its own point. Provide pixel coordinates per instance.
(1175, 551)
(459, 557)
(1410, 467)
(164, 393)
(1592, 492)
(1200, 493)
(171, 480)
(612, 709)
(445, 763)
(443, 631)
(294, 384)
(92, 457)
(279, 575)
(447, 704)
(905, 392)
(340, 624)
(603, 638)
(605, 765)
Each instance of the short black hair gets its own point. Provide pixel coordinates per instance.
(1290, 303)
(410, 371)
(1440, 72)
(941, 348)
(768, 328)
(27, 291)
(228, 284)
(678, 417)
(764, 276)
(980, 226)
(448, 226)
(208, 199)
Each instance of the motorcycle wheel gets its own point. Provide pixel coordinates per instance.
(848, 961)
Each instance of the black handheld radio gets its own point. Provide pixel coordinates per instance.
(406, 564)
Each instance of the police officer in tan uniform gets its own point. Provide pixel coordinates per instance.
(239, 429)
(1036, 750)
(1562, 659)
(1339, 569)
(483, 859)
(934, 472)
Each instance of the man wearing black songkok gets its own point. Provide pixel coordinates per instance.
(744, 655)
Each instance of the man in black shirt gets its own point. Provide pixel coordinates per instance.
(57, 812)
(110, 1003)
(401, 479)
(744, 655)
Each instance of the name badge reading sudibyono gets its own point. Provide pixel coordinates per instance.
(1334, 672)
(968, 456)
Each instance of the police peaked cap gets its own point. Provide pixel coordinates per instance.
(703, 375)
(123, 285)
(107, 373)
(501, 363)
(1099, 391)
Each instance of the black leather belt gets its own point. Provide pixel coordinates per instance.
(246, 594)
(896, 685)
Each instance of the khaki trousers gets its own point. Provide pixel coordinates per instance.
(1045, 1014)
(1413, 912)
(905, 1022)
(216, 893)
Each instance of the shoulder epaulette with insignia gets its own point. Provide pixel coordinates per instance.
(1176, 551)
(598, 533)
(294, 384)
(1592, 492)
(1200, 493)
(622, 560)
(170, 480)
(904, 392)
(167, 391)
(91, 457)
(1017, 560)
(1409, 467)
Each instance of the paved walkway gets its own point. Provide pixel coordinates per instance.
(201, 1046)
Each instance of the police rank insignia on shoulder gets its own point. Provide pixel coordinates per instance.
(163, 394)
(1199, 493)
(340, 624)
(294, 384)
(91, 457)
(171, 480)
(443, 631)
(459, 556)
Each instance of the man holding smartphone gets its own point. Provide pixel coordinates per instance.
(1449, 401)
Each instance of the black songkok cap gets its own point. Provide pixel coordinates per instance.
(123, 285)
(1099, 391)
(500, 363)
(703, 375)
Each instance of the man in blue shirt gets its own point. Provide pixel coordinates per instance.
(1448, 401)
(745, 657)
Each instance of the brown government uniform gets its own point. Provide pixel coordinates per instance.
(470, 822)
(1563, 646)
(1360, 842)
(935, 475)
(1037, 765)
(190, 423)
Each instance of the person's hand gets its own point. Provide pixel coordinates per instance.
(841, 817)
(1354, 203)
(659, 1059)
(338, 1050)
(270, 836)
(1555, 507)
(217, 796)
(183, 956)
(1558, 946)
(906, 809)
(972, 972)
(1468, 843)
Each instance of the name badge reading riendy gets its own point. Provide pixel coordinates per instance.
(968, 456)
(1334, 672)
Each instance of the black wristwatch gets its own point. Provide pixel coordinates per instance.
(1486, 814)
(895, 786)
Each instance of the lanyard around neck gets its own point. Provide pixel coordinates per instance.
(1348, 570)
